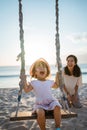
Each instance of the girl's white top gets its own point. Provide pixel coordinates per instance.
(43, 93)
(71, 81)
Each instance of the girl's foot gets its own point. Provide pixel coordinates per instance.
(57, 128)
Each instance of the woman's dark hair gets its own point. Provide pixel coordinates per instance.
(76, 69)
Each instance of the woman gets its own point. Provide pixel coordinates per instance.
(72, 81)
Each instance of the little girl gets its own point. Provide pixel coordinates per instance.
(72, 80)
(41, 86)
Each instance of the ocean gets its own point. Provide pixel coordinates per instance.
(9, 75)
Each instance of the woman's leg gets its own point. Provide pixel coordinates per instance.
(57, 116)
(41, 118)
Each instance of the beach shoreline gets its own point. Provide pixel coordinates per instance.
(8, 104)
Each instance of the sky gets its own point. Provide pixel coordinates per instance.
(40, 29)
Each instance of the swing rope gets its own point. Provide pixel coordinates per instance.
(57, 43)
(21, 55)
(58, 60)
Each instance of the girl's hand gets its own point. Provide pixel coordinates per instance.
(23, 81)
(23, 77)
(22, 84)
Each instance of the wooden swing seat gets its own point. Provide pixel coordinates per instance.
(49, 115)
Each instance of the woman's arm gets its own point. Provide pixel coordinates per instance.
(76, 89)
(79, 83)
(66, 91)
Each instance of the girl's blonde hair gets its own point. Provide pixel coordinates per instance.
(36, 63)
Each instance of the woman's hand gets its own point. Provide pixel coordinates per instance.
(69, 98)
(74, 98)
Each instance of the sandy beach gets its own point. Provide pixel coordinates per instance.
(8, 104)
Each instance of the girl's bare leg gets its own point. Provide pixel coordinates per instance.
(57, 116)
(41, 118)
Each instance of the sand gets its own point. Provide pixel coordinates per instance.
(8, 104)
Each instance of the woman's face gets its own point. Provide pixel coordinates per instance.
(41, 71)
(71, 63)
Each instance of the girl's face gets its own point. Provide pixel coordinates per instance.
(41, 71)
(71, 63)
